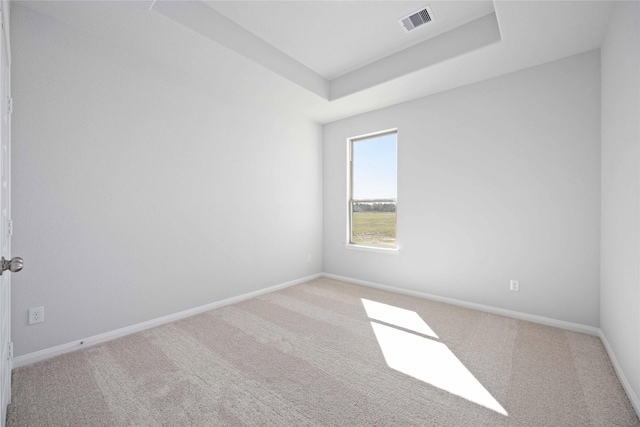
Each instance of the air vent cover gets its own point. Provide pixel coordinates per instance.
(416, 19)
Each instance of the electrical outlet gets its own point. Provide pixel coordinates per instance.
(36, 315)
(514, 285)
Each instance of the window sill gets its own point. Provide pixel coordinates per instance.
(388, 251)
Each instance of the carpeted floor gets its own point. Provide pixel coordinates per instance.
(328, 353)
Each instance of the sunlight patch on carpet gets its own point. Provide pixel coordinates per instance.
(397, 316)
(424, 358)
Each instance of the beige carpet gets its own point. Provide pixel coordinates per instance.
(328, 353)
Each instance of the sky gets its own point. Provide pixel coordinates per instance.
(375, 168)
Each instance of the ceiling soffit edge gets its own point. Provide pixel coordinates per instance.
(459, 41)
(211, 24)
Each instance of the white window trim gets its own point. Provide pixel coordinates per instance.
(386, 251)
(354, 246)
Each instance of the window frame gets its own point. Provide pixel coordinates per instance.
(350, 200)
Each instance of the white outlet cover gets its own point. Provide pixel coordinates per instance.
(36, 315)
(514, 285)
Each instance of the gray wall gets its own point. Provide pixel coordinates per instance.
(620, 275)
(498, 180)
(136, 197)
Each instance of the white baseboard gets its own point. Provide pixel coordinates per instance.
(575, 327)
(28, 359)
(633, 397)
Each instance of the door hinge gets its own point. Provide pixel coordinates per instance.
(10, 351)
(10, 104)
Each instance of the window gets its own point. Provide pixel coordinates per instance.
(372, 190)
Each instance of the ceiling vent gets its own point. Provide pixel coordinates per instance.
(416, 19)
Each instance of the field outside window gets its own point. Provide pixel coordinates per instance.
(372, 190)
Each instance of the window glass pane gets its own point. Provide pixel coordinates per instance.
(374, 168)
(374, 191)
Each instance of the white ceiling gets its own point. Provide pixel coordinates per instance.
(335, 37)
(294, 54)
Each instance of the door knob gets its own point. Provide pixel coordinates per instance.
(14, 265)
